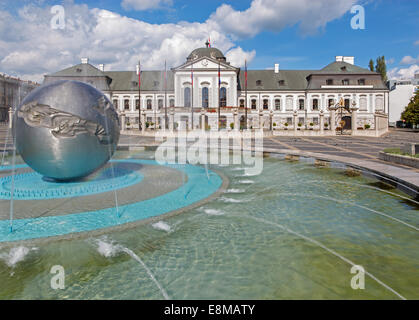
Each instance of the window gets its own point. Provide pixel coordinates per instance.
(281, 83)
(289, 102)
(187, 96)
(156, 83)
(137, 104)
(363, 103)
(253, 104)
(242, 103)
(277, 104)
(345, 82)
(115, 103)
(258, 82)
(205, 101)
(329, 82)
(172, 102)
(343, 68)
(347, 103)
(315, 104)
(126, 104)
(223, 97)
(331, 102)
(160, 104)
(301, 120)
(379, 106)
(301, 104)
(289, 120)
(316, 121)
(265, 104)
(149, 104)
(361, 82)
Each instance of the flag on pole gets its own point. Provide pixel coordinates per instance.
(209, 42)
(245, 73)
(165, 76)
(139, 75)
(192, 75)
(219, 74)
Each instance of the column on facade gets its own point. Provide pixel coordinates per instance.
(122, 116)
(236, 120)
(143, 120)
(321, 122)
(203, 120)
(332, 111)
(10, 118)
(271, 117)
(171, 120)
(260, 119)
(353, 120)
(295, 114)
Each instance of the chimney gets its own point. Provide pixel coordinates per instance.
(350, 60)
(84, 60)
(347, 59)
(102, 67)
(276, 67)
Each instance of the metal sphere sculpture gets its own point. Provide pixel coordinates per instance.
(65, 130)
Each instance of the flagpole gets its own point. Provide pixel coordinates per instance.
(140, 124)
(192, 96)
(219, 95)
(245, 86)
(165, 96)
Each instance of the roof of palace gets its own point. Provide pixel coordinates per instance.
(79, 70)
(340, 67)
(268, 80)
(150, 80)
(206, 52)
(258, 80)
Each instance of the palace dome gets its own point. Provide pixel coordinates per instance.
(213, 53)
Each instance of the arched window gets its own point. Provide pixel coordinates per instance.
(379, 105)
(363, 103)
(315, 104)
(205, 101)
(223, 97)
(187, 96)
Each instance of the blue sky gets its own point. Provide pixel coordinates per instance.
(304, 37)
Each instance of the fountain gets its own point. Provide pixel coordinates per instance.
(66, 132)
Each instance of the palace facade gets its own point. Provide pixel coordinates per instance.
(339, 96)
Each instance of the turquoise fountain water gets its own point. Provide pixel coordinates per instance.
(293, 232)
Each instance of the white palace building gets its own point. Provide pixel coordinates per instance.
(340, 98)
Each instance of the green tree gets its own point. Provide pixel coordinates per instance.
(371, 65)
(411, 112)
(381, 68)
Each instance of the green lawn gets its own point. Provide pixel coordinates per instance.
(400, 152)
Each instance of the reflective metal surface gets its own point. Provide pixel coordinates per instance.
(66, 129)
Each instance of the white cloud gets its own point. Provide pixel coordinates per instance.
(390, 61)
(416, 43)
(403, 73)
(33, 48)
(409, 60)
(275, 15)
(237, 56)
(145, 4)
